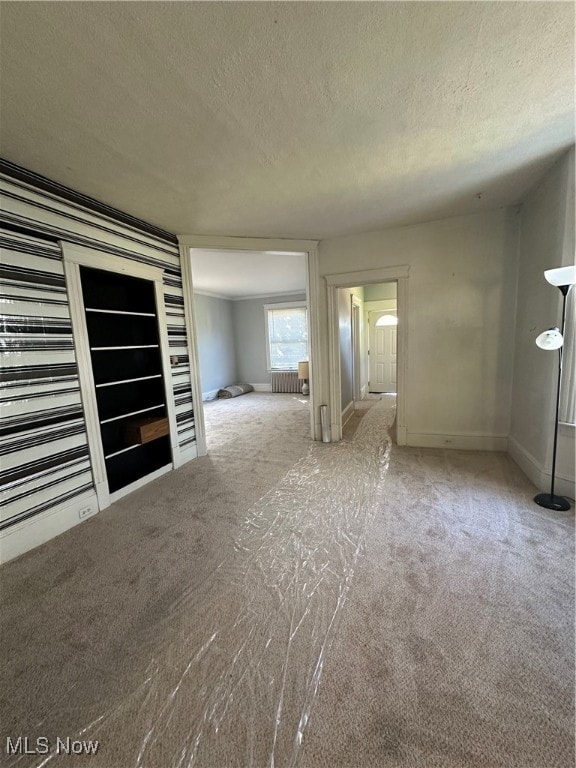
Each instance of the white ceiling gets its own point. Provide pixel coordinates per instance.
(289, 119)
(243, 274)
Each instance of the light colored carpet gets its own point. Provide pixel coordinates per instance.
(280, 603)
(457, 645)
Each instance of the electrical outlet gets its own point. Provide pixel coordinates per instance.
(85, 512)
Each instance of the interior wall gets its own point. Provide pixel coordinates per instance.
(346, 359)
(346, 349)
(46, 480)
(461, 287)
(216, 348)
(546, 241)
(250, 337)
(380, 291)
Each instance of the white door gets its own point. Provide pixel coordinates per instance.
(382, 351)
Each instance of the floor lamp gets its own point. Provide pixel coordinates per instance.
(563, 278)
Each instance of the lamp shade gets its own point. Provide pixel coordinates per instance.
(303, 370)
(561, 276)
(551, 339)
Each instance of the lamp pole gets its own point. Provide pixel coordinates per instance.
(549, 500)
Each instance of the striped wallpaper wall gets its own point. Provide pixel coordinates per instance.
(44, 454)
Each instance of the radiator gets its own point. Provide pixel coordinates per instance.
(285, 381)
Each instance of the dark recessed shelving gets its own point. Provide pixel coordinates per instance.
(117, 365)
(125, 468)
(124, 342)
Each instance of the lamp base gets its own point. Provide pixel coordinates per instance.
(305, 388)
(557, 503)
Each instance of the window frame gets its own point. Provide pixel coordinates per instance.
(283, 305)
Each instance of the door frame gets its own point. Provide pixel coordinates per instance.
(73, 257)
(399, 275)
(308, 247)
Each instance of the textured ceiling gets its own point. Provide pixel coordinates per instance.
(290, 119)
(241, 274)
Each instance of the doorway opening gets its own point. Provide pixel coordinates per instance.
(381, 315)
(242, 299)
(367, 317)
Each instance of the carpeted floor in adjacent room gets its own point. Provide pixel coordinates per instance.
(282, 603)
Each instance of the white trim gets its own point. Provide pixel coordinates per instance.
(167, 371)
(316, 380)
(310, 248)
(347, 413)
(191, 325)
(563, 486)
(301, 292)
(122, 450)
(211, 295)
(367, 276)
(23, 536)
(132, 413)
(188, 454)
(89, 257)
(464, 441)
(140, 482)
(133, 346)
(129, 381)
(86, 378)
(261, 387)
(73, 257)
(232, 243)
(120, 312)
(399, 275)
(268, 294)
(403, 312)
(286, 305)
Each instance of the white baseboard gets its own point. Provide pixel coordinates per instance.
(347, 412)
(261, 387)
(461, 441)
(187, 455)
(211, 395)
(22, 537)
(563, 486)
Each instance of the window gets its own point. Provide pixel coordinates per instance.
(287, 335)
(386, 320)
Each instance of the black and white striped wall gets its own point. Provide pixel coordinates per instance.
(45, 474)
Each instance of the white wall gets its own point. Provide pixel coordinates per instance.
(346, 346)
(546, 241)
(462, 284)
(380, 292)
(216, 351)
